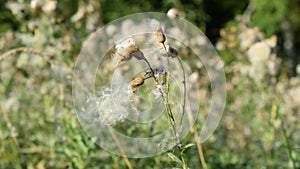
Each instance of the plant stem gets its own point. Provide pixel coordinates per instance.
(288, 145)
(147, 62)
(23, 49)
(183, 159)
(169, 111)
(127, 162)
(199, 148)
(167, 105)
(18, 163)
(171, 115)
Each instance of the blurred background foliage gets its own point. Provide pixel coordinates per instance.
(39, 46)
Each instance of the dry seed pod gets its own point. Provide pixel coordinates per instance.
(160, 36)
(137, 82)
(132, 49)
(124, 48)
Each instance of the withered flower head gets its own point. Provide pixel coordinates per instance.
(160, 36)
(160, 74)
(137, 82)
(126, 47)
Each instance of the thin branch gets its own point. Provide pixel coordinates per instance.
(23, 49)
(249, 12)
(13, 137)
(288, 145)
(199, 148)
(120, 148)
(151, 69)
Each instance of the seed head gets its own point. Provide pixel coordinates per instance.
(125, 48)
(160, 74)
(173, 13)
(137, 82)
(160, 36)
(104, 109)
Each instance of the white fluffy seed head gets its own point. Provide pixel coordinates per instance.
(173, 13)
(259, 53)
(108, 108)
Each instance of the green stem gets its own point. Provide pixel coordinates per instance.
(126, 160)
(167, 105)
(15, 143)
(171, 115)
(183, 159)
(288, 145)
(199, 148)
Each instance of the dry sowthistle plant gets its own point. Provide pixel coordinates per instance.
(126, 49)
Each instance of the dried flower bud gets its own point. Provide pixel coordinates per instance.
(160, 36)
(125, 48)
(137, 82)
